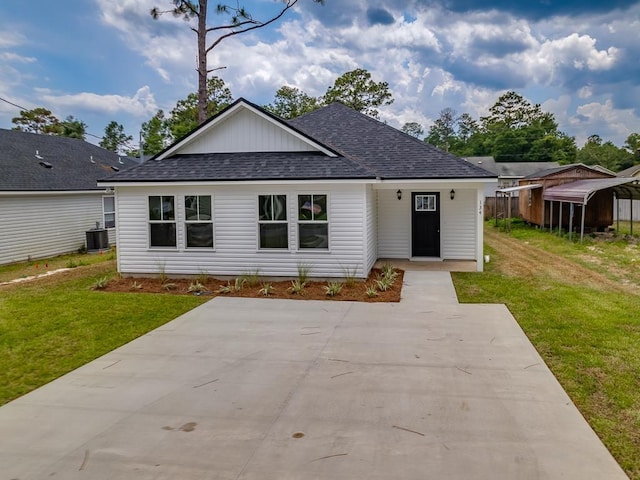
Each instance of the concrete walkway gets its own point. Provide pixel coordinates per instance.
(276, 389)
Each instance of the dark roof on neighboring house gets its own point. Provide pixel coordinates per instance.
(33, 162)
(511, 169)
(390, 153)
(245, 166)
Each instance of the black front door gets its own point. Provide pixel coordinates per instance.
(425, 224)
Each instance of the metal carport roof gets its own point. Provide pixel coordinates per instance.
(581, 191)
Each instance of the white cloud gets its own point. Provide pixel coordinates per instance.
(605, 120)
(13, 57)
(142, 104)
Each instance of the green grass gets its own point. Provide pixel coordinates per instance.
(48, 328)
(589, 336)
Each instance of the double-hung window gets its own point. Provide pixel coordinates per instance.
(198, 221)
(162, 221)
(109, 211)
(272, 221)
(313, 221)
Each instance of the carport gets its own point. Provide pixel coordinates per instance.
(581, 191)
(507, 193)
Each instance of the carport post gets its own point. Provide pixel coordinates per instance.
(571, 208)
(617, 213)
(551, 216)
(582, 224)
(560, 221)
(631, 212)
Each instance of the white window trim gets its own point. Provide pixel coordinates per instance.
(176, 208)
(299, 222)
(185, 221)
(104, 212)
(287, 221)
(435, 203)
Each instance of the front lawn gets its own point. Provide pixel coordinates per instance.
(54, 325)
(580, 306)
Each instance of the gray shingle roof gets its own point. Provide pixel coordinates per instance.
(70, 160)
(245, 166)
(387, 151)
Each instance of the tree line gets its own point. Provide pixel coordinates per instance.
(514, 130)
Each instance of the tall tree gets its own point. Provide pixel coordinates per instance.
(632, 144)
(443, 131)
(72, 127)
(236, 19)
(37, 120)
(115, 139)
(291, 102)
(512, 110)
(184, 116)
(414, 129)
(606, 154)
(357, 90)
(155, 134)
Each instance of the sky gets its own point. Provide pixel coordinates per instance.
(104, 60)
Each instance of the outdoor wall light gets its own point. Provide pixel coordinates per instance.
(399, 194)
(452, 194)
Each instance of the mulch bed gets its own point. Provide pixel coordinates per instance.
(313, 290)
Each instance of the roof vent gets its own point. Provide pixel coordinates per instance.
(38, 155)
(46, 164)
(115, 169)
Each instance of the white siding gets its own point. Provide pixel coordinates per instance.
(625, 210)
(236, 233)
(245, 132)
(458, 225)
(371, 222)
(394, 224)
(45, 225)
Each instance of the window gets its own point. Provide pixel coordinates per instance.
(109, 211)
(198, 221)
(272, 221)
(425, 203)
(162, 221)
(313, 226)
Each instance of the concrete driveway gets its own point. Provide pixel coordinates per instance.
(277, 389)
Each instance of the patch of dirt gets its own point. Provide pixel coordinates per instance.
(529, 261)
(70, 274)
(313, 290)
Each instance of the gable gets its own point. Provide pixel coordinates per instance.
(244, 128)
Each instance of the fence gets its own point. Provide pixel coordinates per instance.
(503, 207)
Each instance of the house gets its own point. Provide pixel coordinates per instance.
(573, 196)
(509, 173)
(333, 190)
(49, 197)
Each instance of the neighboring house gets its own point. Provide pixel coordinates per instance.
(509, 173)
(49, 197)
(628, 209)
(333, 190)
(577, 196)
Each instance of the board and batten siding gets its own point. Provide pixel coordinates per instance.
(458, 223)
(246, 132)
(236, 233)
(39, 226)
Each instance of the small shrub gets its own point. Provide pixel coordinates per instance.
(239, 284)
(169, 286)
(203, 277)
(350, 279)
(297, 287)
(196, 287)
(333, 288)
(371, 291)
(251, 278)
(384, 284)
(225, 288)
(136, 286)
(101, 283)
(303, 272)
(162, 272)
(266, 290)
(389, 272)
